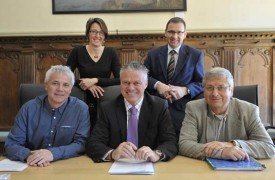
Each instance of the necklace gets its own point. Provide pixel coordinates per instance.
(93, 53)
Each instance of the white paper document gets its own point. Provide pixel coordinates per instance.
(8, 165)
(119, 167)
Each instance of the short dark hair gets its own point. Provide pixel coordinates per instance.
(176, 20)
(100, 22)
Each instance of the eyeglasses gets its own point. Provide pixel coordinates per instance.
(135, 83)
(219, 88)
(179, 33)
(95, 32)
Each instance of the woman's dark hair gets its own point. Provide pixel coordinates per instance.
(100, 22)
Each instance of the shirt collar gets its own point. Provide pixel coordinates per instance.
(220, 116)
(60, 109)
(138, 105)
(177, 49)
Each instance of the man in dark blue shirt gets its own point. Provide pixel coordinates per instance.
(52, 126)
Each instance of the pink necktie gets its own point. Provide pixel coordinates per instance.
(132, 131)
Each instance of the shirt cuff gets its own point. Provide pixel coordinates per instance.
(218, 155)
(155, 85)
(106, 155)
(236, 143)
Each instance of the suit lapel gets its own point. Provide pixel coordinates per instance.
(163, 60)
(121, 117)
(144, 117)
(233, 121)
(182, 59)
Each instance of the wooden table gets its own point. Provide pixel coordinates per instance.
(183, 168)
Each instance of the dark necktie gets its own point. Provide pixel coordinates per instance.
(171, 66)
(132, 131)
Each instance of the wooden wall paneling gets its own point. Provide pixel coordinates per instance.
(127, 55)
(254, 67)
(273, 87)
(248, 55)
(46, 59)
(229, 61)
(9, 78)
(27, 62)
(212, 58)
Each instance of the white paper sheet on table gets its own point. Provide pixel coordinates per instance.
(8, 165)
(124, 167)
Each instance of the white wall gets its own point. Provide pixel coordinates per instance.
(34, 17)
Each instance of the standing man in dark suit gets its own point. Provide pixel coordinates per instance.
(113, 138)
(175, 71)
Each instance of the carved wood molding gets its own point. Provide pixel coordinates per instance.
(264, 53)
(13, 58)
(232, 35)
(214, 55)
(29, 42)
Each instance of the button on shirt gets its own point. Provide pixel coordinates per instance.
(54, 116)
(216, 130)
(216, 127)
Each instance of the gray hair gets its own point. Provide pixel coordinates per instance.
(137, 66)
(219, 72)
(62, 70)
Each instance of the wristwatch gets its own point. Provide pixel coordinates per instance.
(188, 91)
(234, 143)
(160, 154)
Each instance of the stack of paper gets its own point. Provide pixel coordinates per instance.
(8, 165)
(126, 166)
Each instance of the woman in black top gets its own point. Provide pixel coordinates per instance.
(95, 64)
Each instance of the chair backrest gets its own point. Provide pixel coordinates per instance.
(30, 91)
(110, 93)
(247, 93)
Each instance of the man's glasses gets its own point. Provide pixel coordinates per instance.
(219, 88)
(95, 32)
(179, 33)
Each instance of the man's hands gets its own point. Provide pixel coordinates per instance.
(41, 158)
(229, 151)
(129, 150)
(235, 153)
(170, 92)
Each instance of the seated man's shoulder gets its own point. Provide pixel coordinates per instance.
(74, 101)
(199, 103)
(111, 103)
(155, 100)
(241, 104)
(33, 103)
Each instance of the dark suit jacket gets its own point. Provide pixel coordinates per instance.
(189, 72)
(155, 128)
